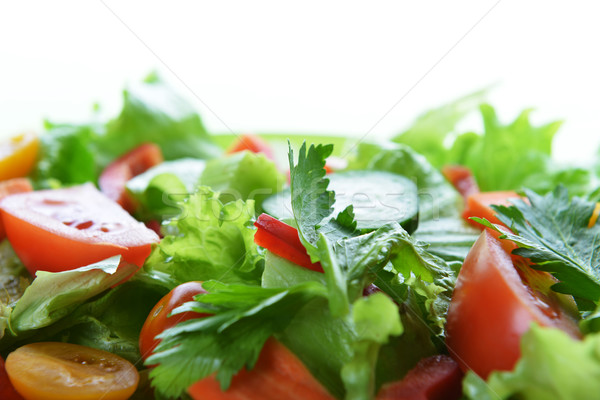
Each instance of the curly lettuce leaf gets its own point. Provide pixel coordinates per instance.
(209, 240)
(243, 175)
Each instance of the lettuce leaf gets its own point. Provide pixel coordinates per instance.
(209, 240)
(153, 112)
(244, 176)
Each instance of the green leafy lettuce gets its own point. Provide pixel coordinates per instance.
(502, 157)
(243, 175)
(153, 112)
(209, 240)
(79, 306)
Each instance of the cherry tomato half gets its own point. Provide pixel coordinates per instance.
(64, 371)
(160, 317)
(18, 155)
(62, 229)
(494, 304)
(114, 177)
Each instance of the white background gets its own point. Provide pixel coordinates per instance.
(348, 68)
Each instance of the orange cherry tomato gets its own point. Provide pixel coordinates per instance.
(160, 317)
(114, 177)
(18, 155)
(63, 229)
(64, 371)
(494, 303)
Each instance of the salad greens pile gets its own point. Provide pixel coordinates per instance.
(207, 202)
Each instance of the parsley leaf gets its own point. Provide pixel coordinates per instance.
(552, 231)
(311, 201)
(244, 318)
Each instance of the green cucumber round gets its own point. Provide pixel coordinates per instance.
(378, 197)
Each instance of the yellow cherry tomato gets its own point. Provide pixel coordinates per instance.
(18, 155)
(53, 371)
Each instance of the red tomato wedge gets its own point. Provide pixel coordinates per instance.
(63, 229)
(462, 179)
(7, 391)
(478, 205)
(12, 186)
(251, 143)
(282, 239)
(433, 378)
(278, 374)
(160, 319)
(114, 177)
(492, 307)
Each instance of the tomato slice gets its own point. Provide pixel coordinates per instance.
(252, 143)
(160, 317)
(114, 177)
(478, 205)
(492, 307)
(282, 239)
(62, 229)
(278, 374)
(64, 371)
(18, 155)
(462, 179)
(12, 186)
(433, 378)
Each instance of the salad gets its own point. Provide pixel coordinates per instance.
(144, 258)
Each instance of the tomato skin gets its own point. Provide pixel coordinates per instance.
(63, 229)
(462, 179)
(478, 205)
(13, 186)
(18, 155)
(64, 371)
(7, 391)
(433, 378)
(282, 239)
(491, 308)
(159, 318)
(278, 374)
(251, 143)
(114, 177)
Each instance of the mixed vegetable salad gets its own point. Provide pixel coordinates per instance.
(144, 258)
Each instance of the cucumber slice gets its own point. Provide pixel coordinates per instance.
(378, 197)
